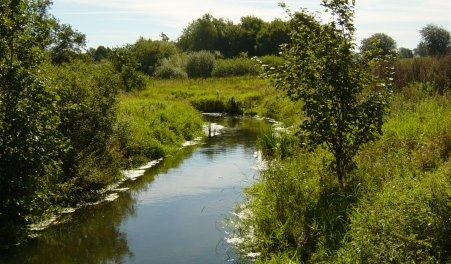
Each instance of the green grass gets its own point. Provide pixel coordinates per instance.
(395, 208)
(150, 128)
(156, 121)
(252, 94)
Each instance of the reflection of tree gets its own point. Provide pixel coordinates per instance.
(240, 132)
(92, 236)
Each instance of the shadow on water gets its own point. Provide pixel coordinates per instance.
(170, 215)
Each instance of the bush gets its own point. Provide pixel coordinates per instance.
(172, 68)
(435, 70)
(407, 222)
(236, 67)
(166, 71)
(87, 109)
(149, 53)
(200, 64)
(127, 66)
(132, 79)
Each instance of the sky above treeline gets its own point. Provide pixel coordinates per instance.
(117, 22)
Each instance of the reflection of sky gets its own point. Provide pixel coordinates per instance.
(116, 22)
(179, 216)
(208, 170)
(174, 214)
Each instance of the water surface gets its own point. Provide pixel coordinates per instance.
(173, 214)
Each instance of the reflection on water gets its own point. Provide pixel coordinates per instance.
(173, 214)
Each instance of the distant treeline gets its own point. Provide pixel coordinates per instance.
(221, 39)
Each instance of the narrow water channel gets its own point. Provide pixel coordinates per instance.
(173, 214)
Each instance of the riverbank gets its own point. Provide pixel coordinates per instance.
(171, 214)
(156, 122)
(395, 206)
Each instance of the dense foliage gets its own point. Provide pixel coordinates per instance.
(435, 41)
(381, 42)
(394, 209)
(30, 142)
(344, 101)
(67, 43)
(252, 36)
(200, 64)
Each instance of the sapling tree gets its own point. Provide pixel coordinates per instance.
(344, 94)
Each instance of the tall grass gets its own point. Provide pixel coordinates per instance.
(151, 128)
(435, 70)
(236, 95)
(395, 208)
(236, 67)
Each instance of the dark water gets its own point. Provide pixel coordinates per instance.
(173, 214)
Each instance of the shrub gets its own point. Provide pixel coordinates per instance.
(200, 64)
(172, 68)
(150, 52)
(167, 71)
(236, 67)
(126, 64)
(132, 79)
(30, 144)
(407, 222)
(87, 108)
(435, 70)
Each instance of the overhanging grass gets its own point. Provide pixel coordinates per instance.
(396, 205)
(156, 121)
(151, 128)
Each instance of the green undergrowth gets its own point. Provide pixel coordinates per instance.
(150, 128)
(156, 121)
(233, 95)
(395, 209)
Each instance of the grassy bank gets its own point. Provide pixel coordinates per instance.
(395, 209)
(154, 122)
(150, 128)
(233, 95)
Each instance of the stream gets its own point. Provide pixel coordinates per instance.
(174, 213)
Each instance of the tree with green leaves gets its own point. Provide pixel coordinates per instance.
(379, 41)
(251, 26)
(150, 52)
(272, 36)
(201, 34)
(435, 40)
(405, 53)
(127, 65)
(30, 144)
(67, 43)
(100, 53)
(344, 102)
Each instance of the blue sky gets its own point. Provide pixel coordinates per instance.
(117, 22)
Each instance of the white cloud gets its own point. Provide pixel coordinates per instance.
(401, 18)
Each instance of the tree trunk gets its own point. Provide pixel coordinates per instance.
(341, 172)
